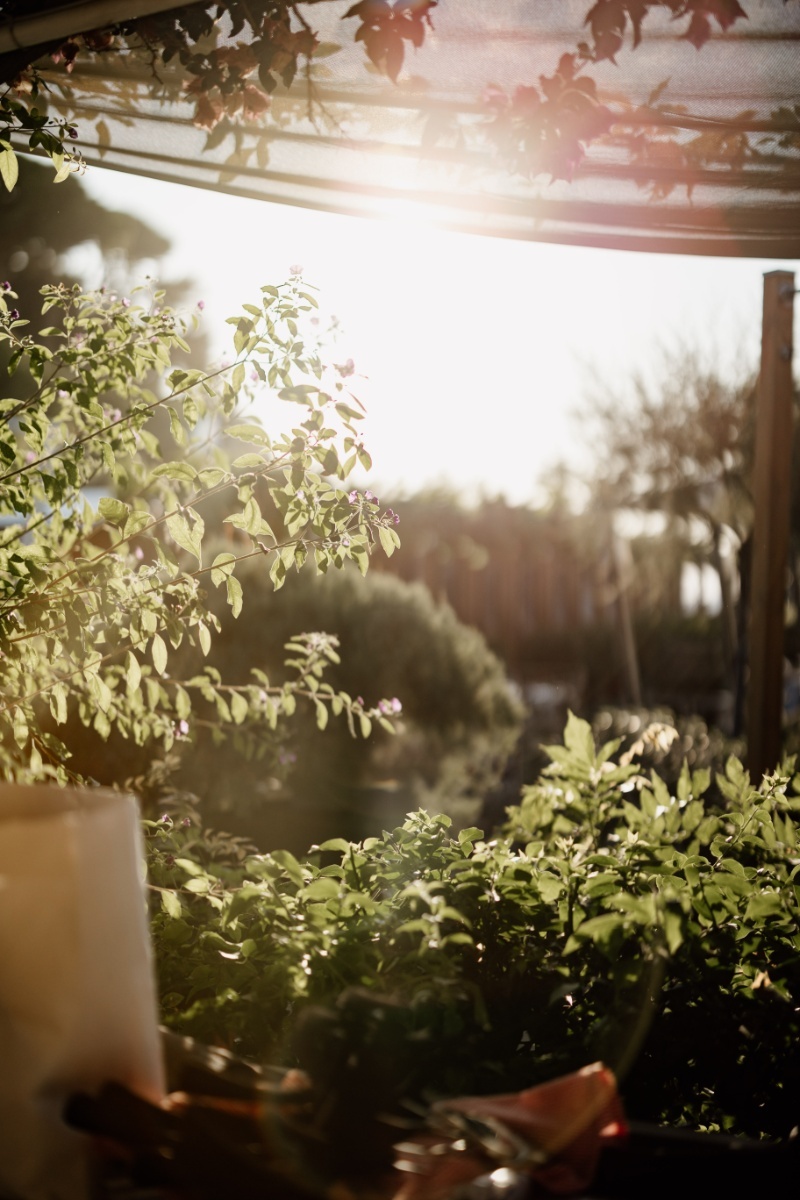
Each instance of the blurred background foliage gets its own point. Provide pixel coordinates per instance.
(618, 595)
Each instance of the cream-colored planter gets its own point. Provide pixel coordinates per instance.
(77, 998)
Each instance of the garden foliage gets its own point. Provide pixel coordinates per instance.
(613, 919)
(394, 640)
(103, 571)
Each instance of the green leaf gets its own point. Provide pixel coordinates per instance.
(221, 568)
(235, 595)
(158, 650)
(136, 522)
(199, 885)
(578, 738)
(188, 536)
(9, 168)
(210, 476)
(204, 637)
(767, 904)
(248, 433)
(171, 904)
(286, 860)
(321, 889)
(248, 461)
(178, 471)
(20, 727)
(239, 708)
(113, 510)
(183, 703)
(133, 672)
(249, 519)
(387, 541)
(600, 929)
(58, 703)
(338, 844)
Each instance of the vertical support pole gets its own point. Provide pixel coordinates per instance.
(623, 570)
(771, 495)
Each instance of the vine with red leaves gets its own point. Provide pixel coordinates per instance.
(541, 127)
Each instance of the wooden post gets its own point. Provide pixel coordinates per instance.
(623, 570)
(771, 496)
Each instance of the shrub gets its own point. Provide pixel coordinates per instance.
(613, 919)
(95, 600)
(392, 636)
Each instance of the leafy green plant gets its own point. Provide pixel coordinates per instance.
(613, 919)
(97, 593)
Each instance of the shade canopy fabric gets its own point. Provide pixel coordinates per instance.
(682, 149)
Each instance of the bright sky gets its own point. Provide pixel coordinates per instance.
(476, 350)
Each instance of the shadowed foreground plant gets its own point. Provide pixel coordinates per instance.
(613, 920)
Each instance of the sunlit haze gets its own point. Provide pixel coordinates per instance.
(476, 351)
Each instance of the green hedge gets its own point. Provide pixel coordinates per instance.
(459, 717)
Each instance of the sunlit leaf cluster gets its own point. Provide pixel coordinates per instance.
(107, 467)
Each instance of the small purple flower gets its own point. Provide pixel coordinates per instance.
(353, 497)
(286, 757)
(5, 285)
(254, 376)
(346, 369)
(201, 304)
(369, 496)
(360, 700)
(14, 314)
(126, 302)
(115, 414)
(62, 393)
(72, 132)
(138, 553)
(296, 269)
(165, 818)
(186, 822)
(396, 705)
(182, 730)
(30, 457)
(345, 541)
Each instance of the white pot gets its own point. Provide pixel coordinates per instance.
(77, 998)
